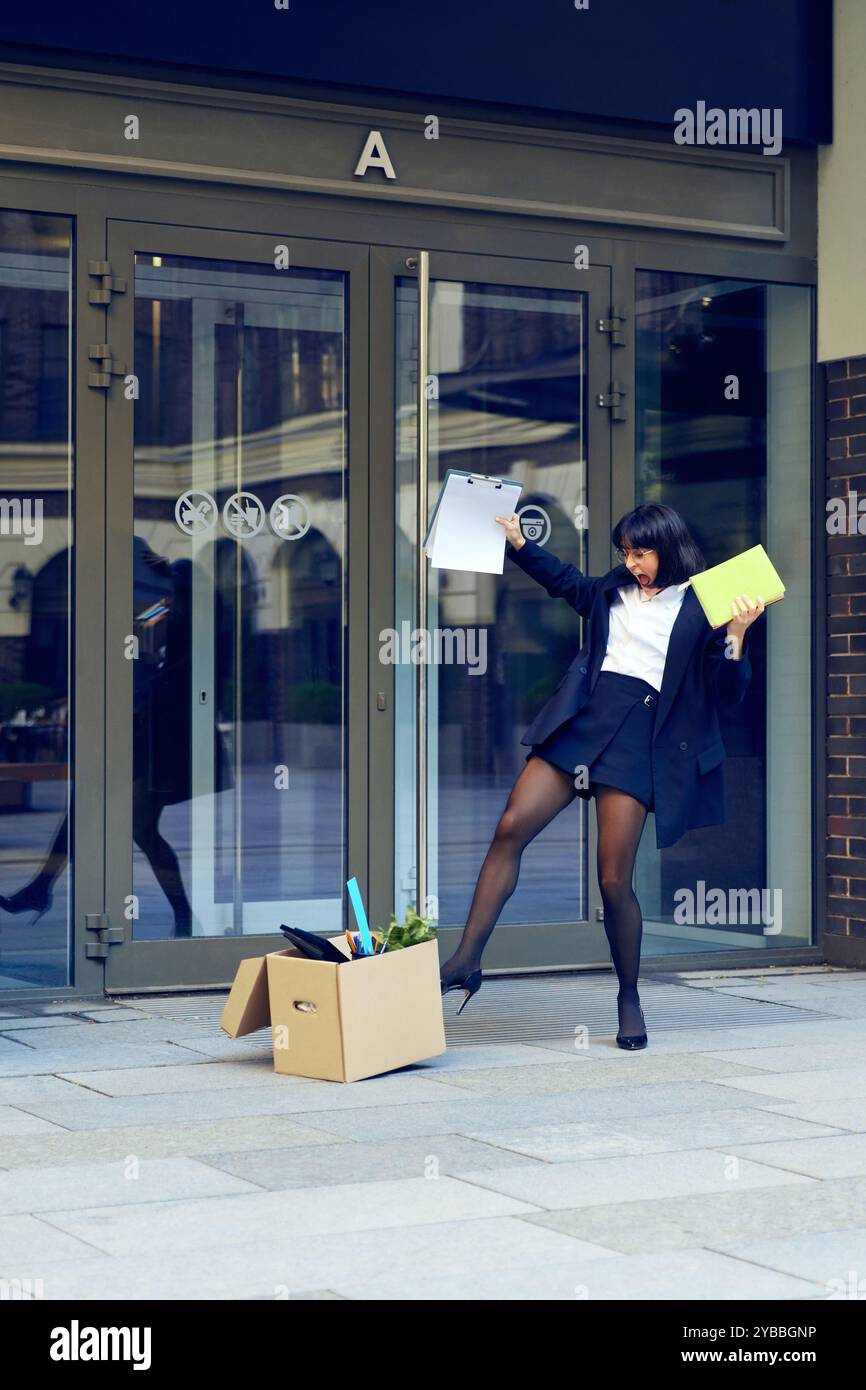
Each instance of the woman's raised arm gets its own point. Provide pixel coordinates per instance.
(559, 579)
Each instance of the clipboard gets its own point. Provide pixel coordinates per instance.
(463, 533)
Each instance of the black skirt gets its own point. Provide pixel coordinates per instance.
(610, 737)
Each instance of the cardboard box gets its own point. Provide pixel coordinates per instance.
(341, 1022)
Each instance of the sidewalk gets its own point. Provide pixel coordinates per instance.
(145, 1155)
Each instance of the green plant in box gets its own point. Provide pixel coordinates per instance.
(410, 932)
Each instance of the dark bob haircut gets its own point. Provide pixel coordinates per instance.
(660, 528)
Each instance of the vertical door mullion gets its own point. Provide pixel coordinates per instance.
(622, 482)
(120, 433)
(603, 367)
(87, 607)
(385, 268)
(360, 541)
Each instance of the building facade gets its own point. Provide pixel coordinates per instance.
(248, 321)
(842, 357)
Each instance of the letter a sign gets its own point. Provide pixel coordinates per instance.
(375, 156)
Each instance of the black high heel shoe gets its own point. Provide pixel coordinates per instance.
(634, 1040)
(471, 985)
(36, 896)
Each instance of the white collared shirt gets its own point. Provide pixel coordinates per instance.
(640, 631)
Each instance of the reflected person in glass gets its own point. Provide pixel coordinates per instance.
(161, 735)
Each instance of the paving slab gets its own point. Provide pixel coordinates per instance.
(834, 1260)
(39, 1087)
(838, 1156)
(594, 1074)
(686, 1274)
(729, 1218)
(54, 1033)
(799, 1056)
(593, 1182)
(194, 1076)
(126, 1182)
(254, 1273)
(298, 1095)
(23, 1023)
(823, 1084)
(217, 1222)
(218, 1046)
(841, 1114)
(160, 1141)
(27, 1244)
(478, 1057)
(352, 1162)
(803, 1028)
(14, 1121)
(110, 1015)
(636, 1134)
(486, 1112)
(282, 1263)
(69, 1006)
(845, 1002)
(46, 1062)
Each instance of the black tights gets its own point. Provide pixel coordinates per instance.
(537, 797)
(146, 811)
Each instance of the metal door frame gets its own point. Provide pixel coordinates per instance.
(133, 964)
(527, 945)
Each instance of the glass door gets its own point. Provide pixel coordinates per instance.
(37, 466)
(237, 605)
(510, 362)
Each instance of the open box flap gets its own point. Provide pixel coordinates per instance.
(248, 1006)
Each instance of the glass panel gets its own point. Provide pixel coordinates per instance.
(239, 598)
(507, 399)
(36, 463)
(724, 436)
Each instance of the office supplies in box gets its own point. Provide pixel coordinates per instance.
(336, 1023)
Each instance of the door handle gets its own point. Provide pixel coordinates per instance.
(421, 263)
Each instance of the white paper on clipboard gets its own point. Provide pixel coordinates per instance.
(463, 532)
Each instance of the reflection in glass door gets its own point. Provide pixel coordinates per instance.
(509, 375)
(737, 465)
(36, 483)
(239, 598)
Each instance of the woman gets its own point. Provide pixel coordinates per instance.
(633, 722)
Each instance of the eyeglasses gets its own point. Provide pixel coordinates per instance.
(638, 554)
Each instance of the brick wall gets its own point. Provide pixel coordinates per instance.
(845, 922)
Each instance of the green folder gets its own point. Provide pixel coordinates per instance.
(750, 573)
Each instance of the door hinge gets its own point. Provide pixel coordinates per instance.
(101, 380)
(107, 935)
(613, 401)
(109, 284)
(614, 325)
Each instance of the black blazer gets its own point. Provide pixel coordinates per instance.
(687, 747)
